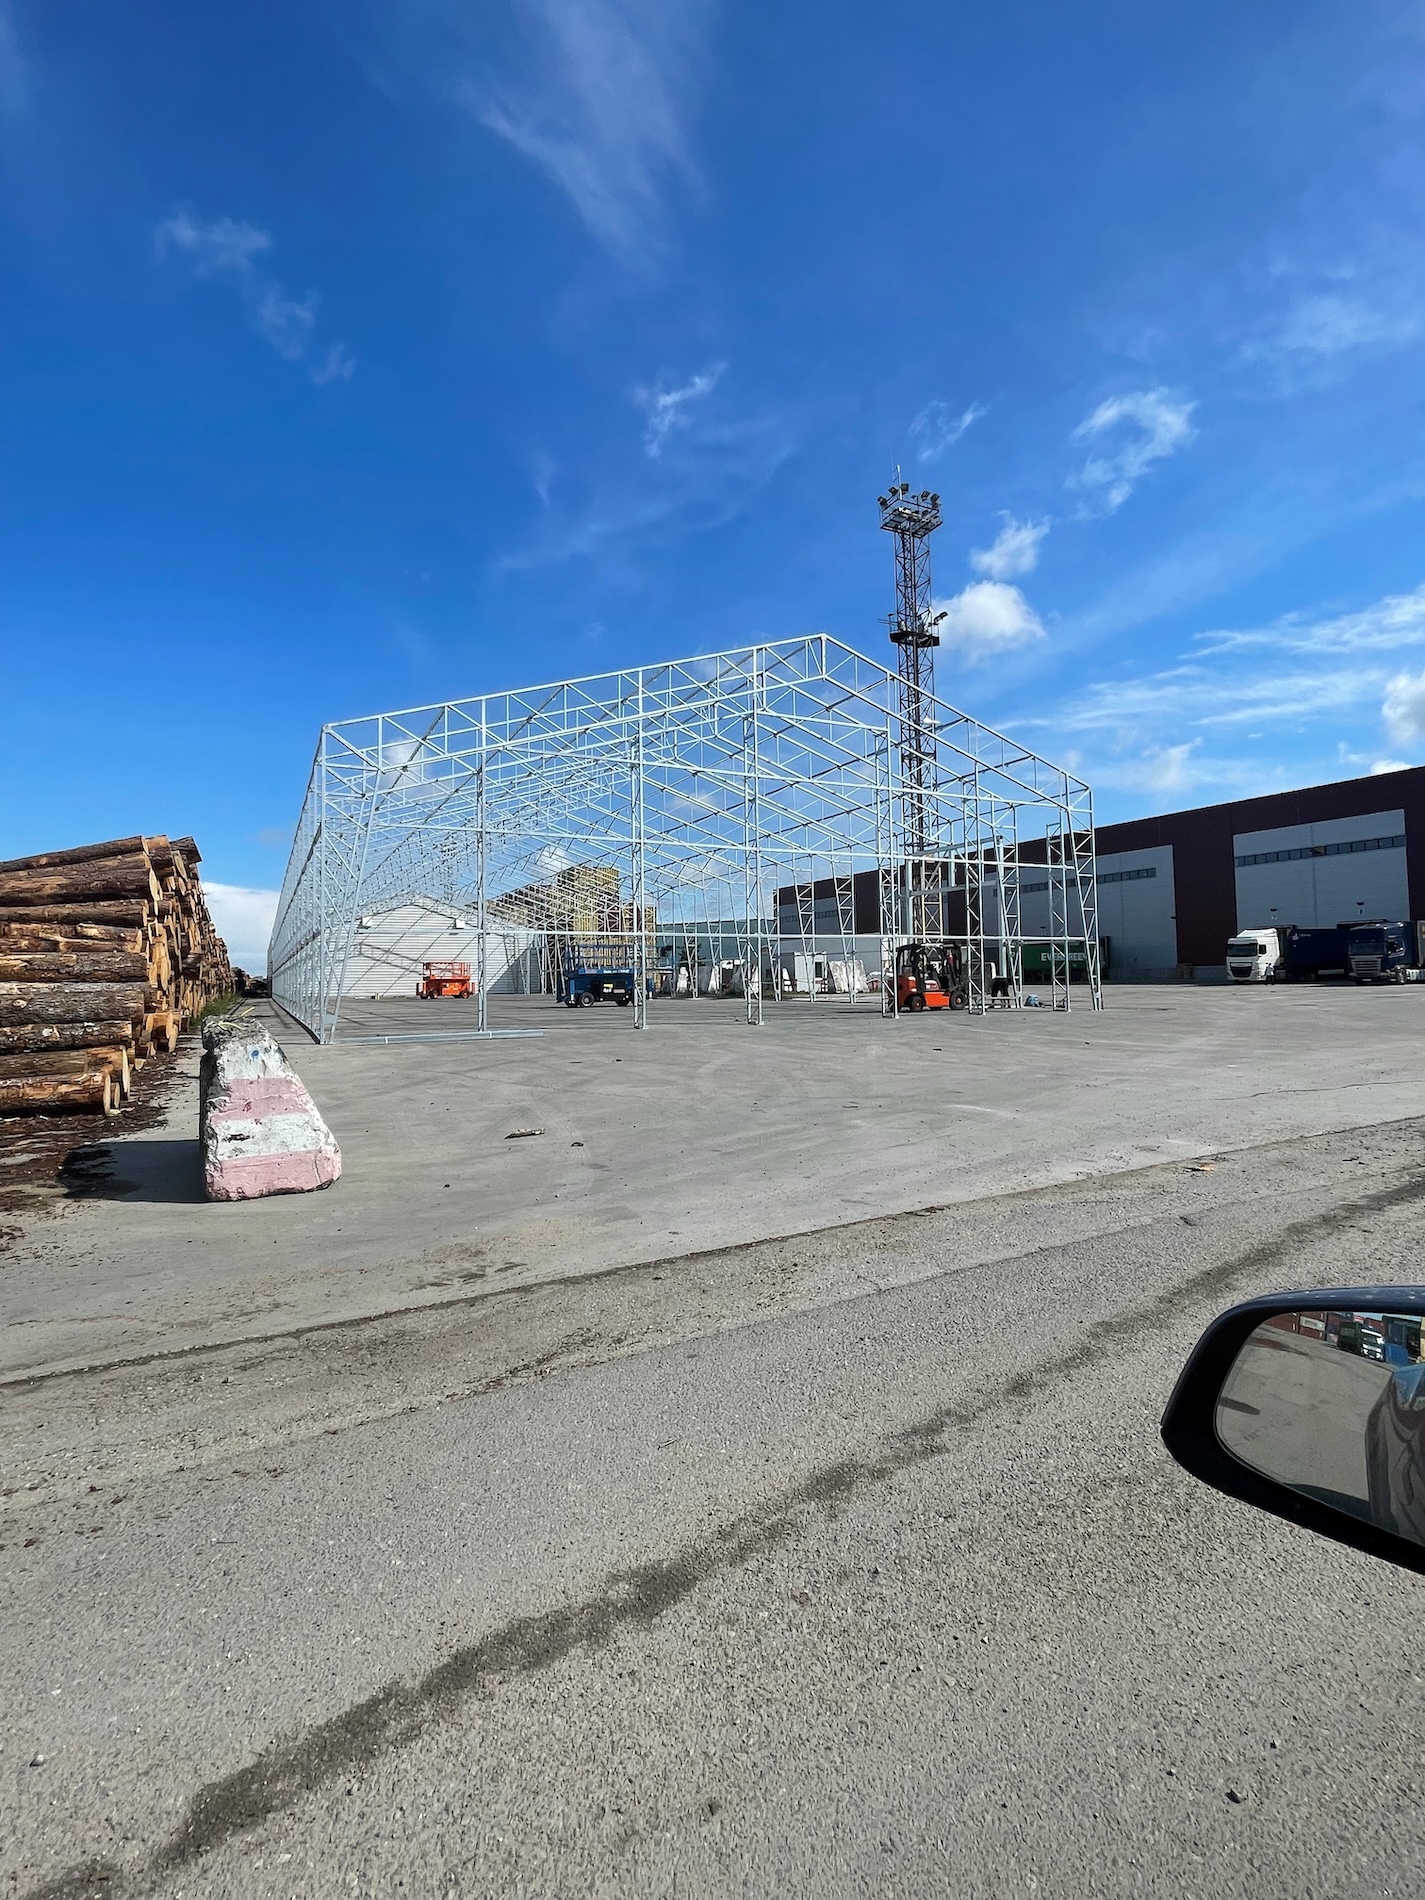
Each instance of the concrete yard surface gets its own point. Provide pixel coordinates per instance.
(699, 1133)
(688, 1579)
(764, 1497)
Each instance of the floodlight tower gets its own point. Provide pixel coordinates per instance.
(912, 519)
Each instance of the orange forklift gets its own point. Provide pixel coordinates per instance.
(929, 976)
(445, 979)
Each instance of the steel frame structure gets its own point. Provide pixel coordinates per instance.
(697, 787)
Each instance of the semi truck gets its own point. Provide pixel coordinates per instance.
(1372, 951)
(1382, 952)
(1255, 956)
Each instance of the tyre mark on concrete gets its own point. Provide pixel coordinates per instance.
(283, 1775)
(1081, 1186)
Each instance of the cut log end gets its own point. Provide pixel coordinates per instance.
(106, 951)
(58, 1094)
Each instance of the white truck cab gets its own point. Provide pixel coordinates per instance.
(1254, 956)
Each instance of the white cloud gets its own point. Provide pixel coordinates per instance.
(1273, 692)
(1332, 323)
(1149, 425)
(666, 409)
(1383, 766)
(987, 618)
(1170, 768)
(604, 116)
(222, 247)
(1174, 772)
(1396, 620)
(1204, 696)
(228, 250)
(244, 919)
(1403, 708)
(938, 428)
(335, 366)
(1015, 550)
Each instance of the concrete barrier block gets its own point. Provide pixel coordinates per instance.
(261, 1131)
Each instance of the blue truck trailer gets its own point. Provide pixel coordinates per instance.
(1368, 951)
(1310, 951)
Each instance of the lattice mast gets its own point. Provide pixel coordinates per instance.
(912, 519)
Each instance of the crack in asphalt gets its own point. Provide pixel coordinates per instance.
(284, 1774)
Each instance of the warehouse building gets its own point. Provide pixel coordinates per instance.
(1173, 890)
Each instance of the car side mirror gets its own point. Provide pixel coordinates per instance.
(1312, 1406)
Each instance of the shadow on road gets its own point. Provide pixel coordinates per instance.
(167, 1171)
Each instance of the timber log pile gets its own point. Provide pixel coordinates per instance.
(106, 952)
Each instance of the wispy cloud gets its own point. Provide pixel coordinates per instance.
(1147, 425)
(988, 618)
(1015, 550)
(604, 114)
(227, 250)
(666, 409)
(543, 472)
(707, 473)
(1340, 278)
(1201, 696)
(1331, 323)
(1169, 770)
(938, 428)
(1397, 620)
(1304, 679)
(1403, 708)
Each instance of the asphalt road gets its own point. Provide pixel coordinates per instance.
(850, 1564)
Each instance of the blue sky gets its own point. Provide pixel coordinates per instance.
(358, 355)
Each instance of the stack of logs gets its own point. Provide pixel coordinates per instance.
(105, 953)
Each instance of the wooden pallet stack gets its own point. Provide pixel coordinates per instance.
(106, 952)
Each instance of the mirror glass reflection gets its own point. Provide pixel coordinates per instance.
(1332, 1405)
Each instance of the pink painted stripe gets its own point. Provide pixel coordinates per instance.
(250, 1177)
(264, 1095)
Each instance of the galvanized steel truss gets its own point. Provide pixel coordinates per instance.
(685, 795)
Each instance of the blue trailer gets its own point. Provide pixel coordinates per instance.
(1310, 951)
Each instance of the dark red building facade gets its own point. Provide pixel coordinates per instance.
(1204, 861)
